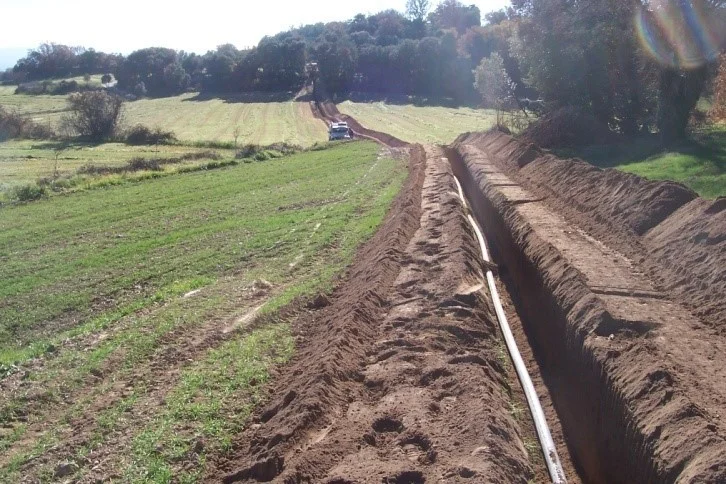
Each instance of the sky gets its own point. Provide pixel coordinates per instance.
(122, 27)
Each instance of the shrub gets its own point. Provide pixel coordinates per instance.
(567, 127)
(137, 164)
(28, 193)
(66, 87)
(54, 88)
(143, 135)
(248, 151)
(94, 115)
(13, 125)
(261, 153)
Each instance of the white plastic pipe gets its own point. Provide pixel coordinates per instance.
(552, 459)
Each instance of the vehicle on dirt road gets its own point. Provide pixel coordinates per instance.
(339, 131)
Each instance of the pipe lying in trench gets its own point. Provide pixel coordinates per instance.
(544, 435)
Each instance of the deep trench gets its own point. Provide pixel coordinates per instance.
(604, 444)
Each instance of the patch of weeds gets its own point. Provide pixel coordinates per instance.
(503, 354)
(534, 451)
(7, 440)
(29, 193)
(516, 411)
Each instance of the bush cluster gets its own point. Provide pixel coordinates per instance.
(55, 88)
(143, 135)
(94, 115)
(28, 193)
(14, 125)
(262, 153)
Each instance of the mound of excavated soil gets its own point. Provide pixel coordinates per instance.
(611, 195)
(692, 244)
(396, 379)
(683, 236)
(567, 126)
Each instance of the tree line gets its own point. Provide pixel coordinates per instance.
(635, 65)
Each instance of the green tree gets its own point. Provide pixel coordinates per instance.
(493, 83)
(159, 69)
(94, 114)
(452, 14)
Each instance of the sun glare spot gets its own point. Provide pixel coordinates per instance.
(680, 34)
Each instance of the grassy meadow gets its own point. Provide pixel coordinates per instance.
(419, 124)
(138, 322)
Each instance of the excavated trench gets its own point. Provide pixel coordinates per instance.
(621, 424)
(567, 370)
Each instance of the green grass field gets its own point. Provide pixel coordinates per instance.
(699, 164)
(193, 120)
(125, 311)
(420, 124)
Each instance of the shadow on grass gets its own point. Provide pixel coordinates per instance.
(699, 163)
(403, 100)
(358, 97)
(708, 144)
(243, 97)
(60, 145)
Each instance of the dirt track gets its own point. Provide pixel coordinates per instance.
(328, 112)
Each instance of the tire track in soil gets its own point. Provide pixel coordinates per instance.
(157, 376)
(397, 380)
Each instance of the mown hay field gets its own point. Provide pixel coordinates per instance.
(419, 124)
(197, 119)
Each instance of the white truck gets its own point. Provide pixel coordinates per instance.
(339, 131)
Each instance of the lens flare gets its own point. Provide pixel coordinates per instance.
(680, 33)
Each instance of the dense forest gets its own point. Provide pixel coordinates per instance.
(634, 65)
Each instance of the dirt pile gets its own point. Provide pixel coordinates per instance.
(678, 237)
(635, 378)
(614, 197)
(397, 379)
(691, 243)
(568, 126)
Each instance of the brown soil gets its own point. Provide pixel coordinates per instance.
(636, 378)
(397, 379)
(614, 287)
(691, 244)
